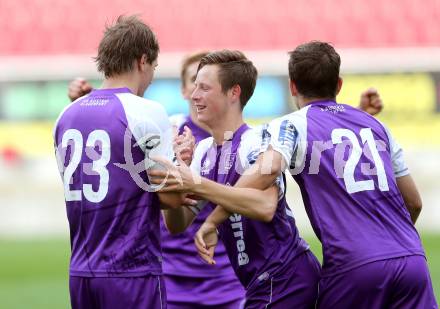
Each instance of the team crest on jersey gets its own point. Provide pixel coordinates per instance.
(229, 159)
(288, 133)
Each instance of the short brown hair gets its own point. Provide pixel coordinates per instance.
(234, 69)
(188, 60)
(123, 43)
(314, 68)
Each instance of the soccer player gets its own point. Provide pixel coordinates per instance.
(356, 187)
(190, 284)
(103, 142)
(269, 258)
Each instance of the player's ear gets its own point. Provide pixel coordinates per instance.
(293, 89)
(142, 63)
(340, 82)
(235, 92)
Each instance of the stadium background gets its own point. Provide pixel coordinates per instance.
(393, 45)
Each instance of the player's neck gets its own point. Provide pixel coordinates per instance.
(302, 101)
(223, 128)
(122, 81)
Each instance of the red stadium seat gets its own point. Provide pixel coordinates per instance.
(75, 27)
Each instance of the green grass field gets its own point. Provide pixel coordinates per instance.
(34, 273)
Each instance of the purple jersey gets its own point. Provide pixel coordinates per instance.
(180, 257)
(114, 220)
(118, 293)
(402, 283)
(346, 162)
(257, 250)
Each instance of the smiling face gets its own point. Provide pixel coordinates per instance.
(208, 97)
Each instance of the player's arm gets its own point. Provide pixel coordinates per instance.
(247, 196)
(178, 219)
(254, 195)
(259, 175)
(405, 183)
(371, 102)
(179, 210)
(183, 148)
(411, 196)
(252, 203)
(244, 198)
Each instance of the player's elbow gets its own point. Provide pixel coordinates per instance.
(266, 212)
(418, 206)
(415, 206)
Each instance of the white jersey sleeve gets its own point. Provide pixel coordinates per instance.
(399, 166)
(250, 146)
(288, 136)
(150, 126)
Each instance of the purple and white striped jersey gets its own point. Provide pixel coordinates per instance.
(257, 250)
(103, 142)
(346, 164)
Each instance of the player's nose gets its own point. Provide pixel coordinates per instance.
(195, 96)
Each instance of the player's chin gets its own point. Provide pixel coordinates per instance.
(203, 117)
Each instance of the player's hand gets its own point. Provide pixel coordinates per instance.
(371, 102)
(206, 240)
(183, 145)
(173, 178)
(77, 88)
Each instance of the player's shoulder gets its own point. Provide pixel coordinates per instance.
(139, 103)
(290, 123)
(141, 110)
(203, 145)
(66, 110)
(365, 117)
(297, 117)
(251, 137)
(73, 103)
